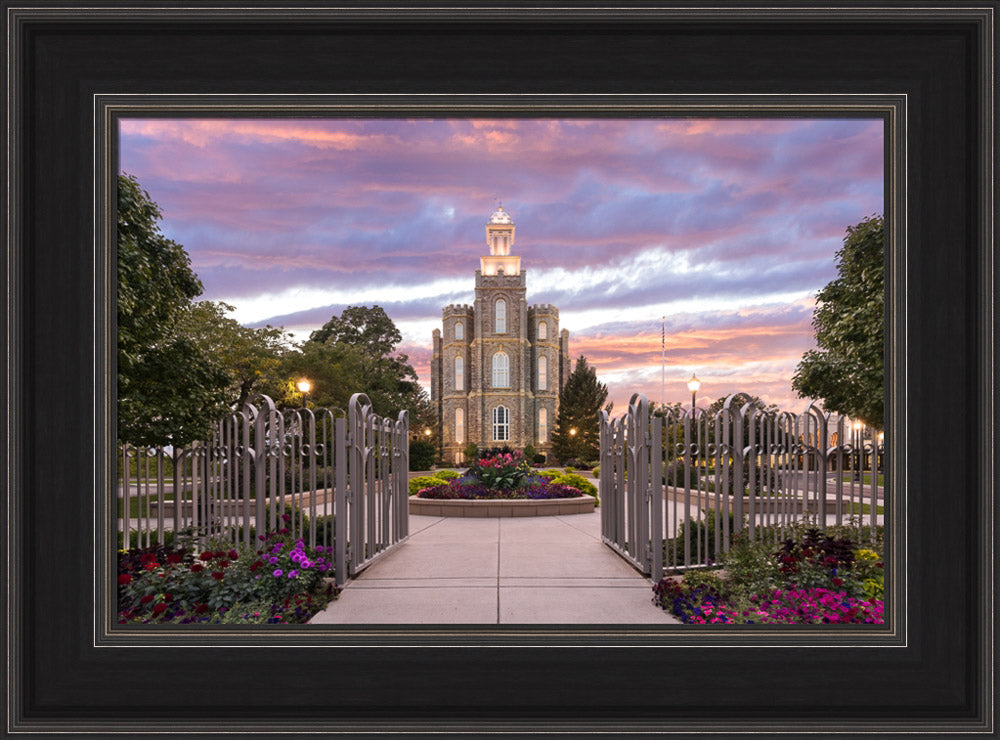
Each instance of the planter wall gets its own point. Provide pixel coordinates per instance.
(502, 507)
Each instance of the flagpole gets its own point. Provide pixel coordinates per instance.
(663, 362)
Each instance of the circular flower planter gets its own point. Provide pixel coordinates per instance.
(504, 507)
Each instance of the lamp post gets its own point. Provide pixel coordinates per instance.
(693, 385)
(572, 434)
(304, 386)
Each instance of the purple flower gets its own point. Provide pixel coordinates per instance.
(277, 572)
(320, 548)
(304, 563)
(292, 573)
(273, 560)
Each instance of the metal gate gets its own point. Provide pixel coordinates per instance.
(676, 486)
(334, 479)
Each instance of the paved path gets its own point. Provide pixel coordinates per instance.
(522, 570)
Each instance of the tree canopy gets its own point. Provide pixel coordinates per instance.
(847, 371)
(738, 402)
(354, 352)
(580, 403)
(169, 389)
(369, 329)
(250, 357)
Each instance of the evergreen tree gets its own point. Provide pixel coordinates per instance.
(847, 371)
(580, 403)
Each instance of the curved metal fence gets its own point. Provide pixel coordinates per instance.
(677, 487)
(334, 478)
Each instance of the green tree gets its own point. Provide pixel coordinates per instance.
(336, 372)
(355, 352)
(847, 370)
(369, 329)
(580, 403)
(738, 402)
(169, 390)
(250, 357)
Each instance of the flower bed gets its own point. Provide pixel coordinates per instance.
(473, 490)
(500, 474)
(504, 480)
(811, 578)
(281, 581)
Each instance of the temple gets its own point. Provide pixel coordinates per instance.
(498, 365)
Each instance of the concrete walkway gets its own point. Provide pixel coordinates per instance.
(523, 570)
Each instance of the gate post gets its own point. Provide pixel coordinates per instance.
(656, 498)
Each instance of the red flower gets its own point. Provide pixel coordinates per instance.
(175, 558)
(151, 565)
(197, 568)
(218, 575)
(201, 608)
(124, 579)
(168, 597)
(148, 557)
(257, 564)
(223, 563)
(233, 554)
(206, 556)
(837, 581)
(159, 608)
(146, 599)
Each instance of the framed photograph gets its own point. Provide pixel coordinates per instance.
(77, 72)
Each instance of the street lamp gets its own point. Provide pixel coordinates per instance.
(304, 386)
(427, 431)
(693, 385)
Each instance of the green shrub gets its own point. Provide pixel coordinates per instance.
(701, 531)
(578, 482)
(471, 453)
(424, 481)
(549, 474)
(596, 471)
(703, 578)
(447, 474)
(422, 454)
(529, 453)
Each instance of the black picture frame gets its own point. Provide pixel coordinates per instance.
(930, 70)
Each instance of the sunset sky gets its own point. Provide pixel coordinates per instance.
(728, 227)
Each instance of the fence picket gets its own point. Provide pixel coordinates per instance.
(259, 463)
(743, 468)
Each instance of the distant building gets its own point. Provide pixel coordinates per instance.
(498, 365)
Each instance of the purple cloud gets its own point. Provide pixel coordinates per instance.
(727, 225)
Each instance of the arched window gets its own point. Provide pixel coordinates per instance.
(543, 330)
(501, 424)
(459, 425)
(500, 317)
(459, 330)
(501, 370)
(543, 425)
(459, 374)
(543, 373)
